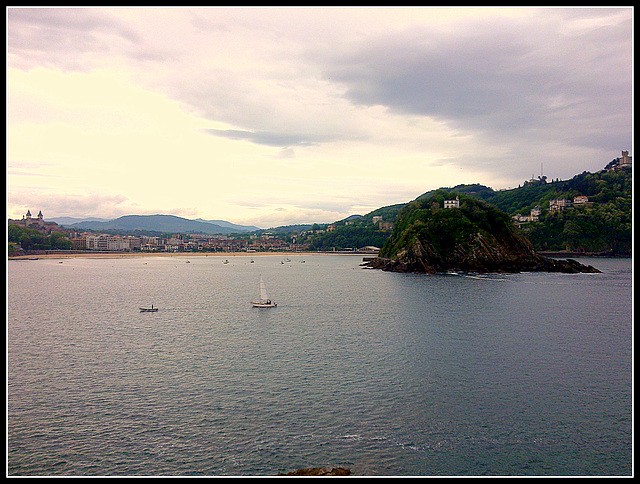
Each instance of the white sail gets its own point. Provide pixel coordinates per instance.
(264, 297)
(265, 301)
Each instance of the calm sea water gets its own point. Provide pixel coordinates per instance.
(383, 373)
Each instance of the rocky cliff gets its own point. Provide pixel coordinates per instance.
(471, 237)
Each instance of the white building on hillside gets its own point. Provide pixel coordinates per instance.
(452, 203)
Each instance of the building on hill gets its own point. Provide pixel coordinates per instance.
(35, 223)
(452, 203)
(560, 204)
(534, 216)
(622, 162)
(625, 160)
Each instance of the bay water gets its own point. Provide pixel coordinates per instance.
(386, 374)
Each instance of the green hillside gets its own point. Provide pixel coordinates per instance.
(603, 225)
(443, 230)
(432, 236)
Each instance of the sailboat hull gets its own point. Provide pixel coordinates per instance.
(264, 305)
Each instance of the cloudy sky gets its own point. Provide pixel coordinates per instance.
(278, 116)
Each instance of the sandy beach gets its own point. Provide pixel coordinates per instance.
(119, 255)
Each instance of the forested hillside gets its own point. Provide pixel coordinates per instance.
(30, 239)
(602, 225)
(442, 234)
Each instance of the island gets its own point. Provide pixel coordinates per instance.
(448, 232)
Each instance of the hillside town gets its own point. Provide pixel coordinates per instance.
(90, 241)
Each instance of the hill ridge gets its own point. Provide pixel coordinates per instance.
(162, 223)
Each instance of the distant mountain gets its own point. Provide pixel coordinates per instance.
(235, 227)
(286, 229)
(161, 223)
(66, 221)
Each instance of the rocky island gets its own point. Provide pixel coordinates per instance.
(443, 234)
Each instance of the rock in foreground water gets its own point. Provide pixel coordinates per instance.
(319, 471)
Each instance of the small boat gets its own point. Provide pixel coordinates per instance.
(148, 310)
(264, 302)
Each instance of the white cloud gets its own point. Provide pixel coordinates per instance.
(322, 112)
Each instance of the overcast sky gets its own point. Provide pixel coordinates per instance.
(276, 116)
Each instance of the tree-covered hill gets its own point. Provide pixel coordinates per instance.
(603, 225)
(601, 187)
(474, 236)
(24, 238)
(444, 230)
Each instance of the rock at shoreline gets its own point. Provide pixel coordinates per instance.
(319, 471)
(568, 266)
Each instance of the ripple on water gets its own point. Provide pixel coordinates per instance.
(386, 374)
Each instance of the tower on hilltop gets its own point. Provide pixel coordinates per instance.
(625, 160)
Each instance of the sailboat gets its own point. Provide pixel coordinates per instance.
(264, 302)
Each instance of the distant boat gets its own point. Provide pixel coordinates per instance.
(148, 310)
(264, 302)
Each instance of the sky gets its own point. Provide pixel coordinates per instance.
(279, 116)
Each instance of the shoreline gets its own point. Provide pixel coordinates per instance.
(118, 255)
(577, 255)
